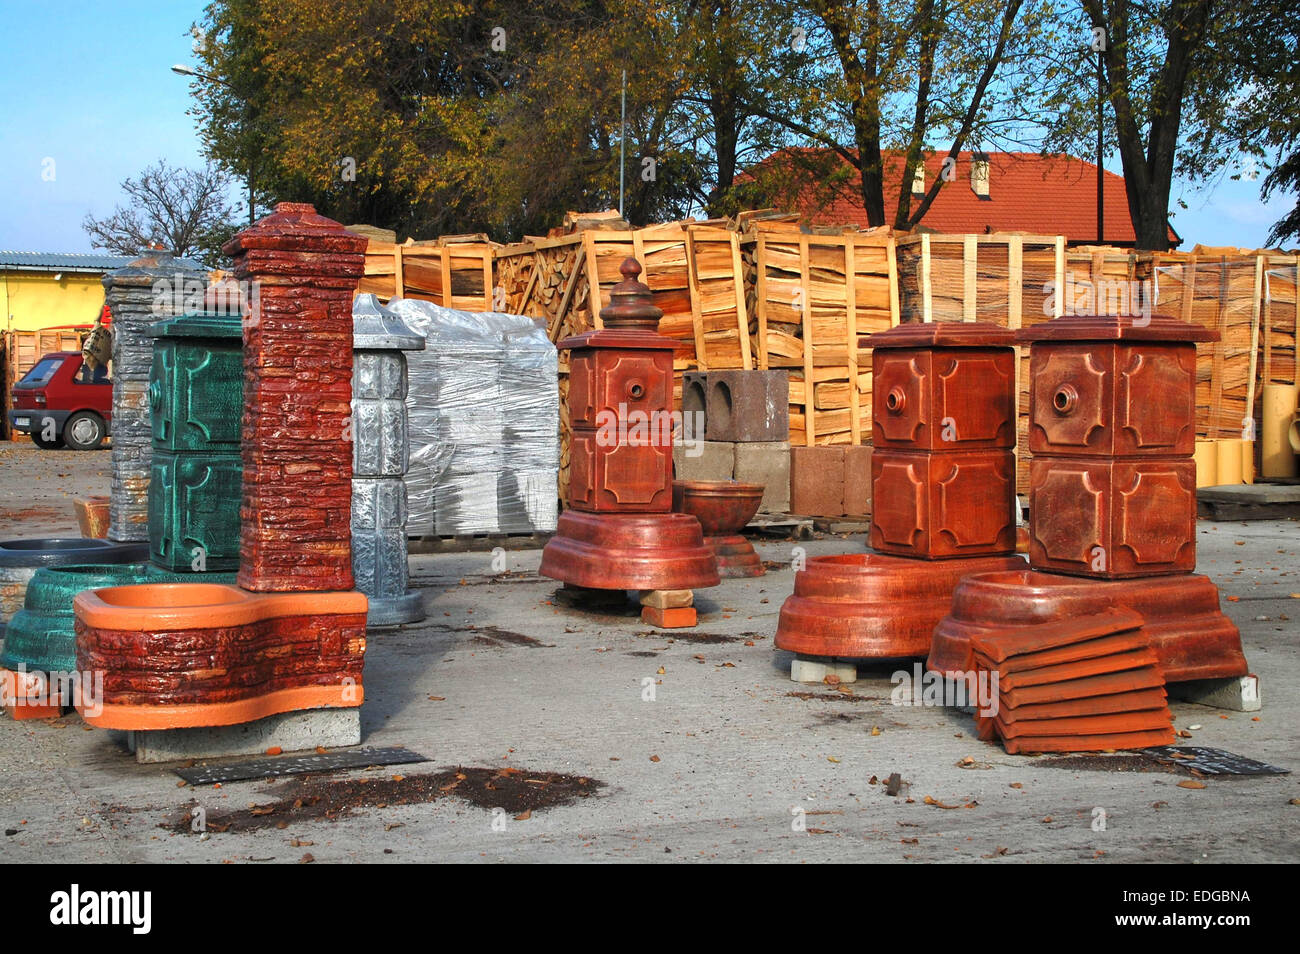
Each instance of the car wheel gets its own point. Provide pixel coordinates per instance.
(43, 444)
(84, 431)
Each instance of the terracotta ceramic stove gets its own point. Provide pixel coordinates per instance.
(1112, 498)
(943, 490)
(619, 532)
(292, 634)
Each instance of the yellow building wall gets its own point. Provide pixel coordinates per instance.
(33, 300)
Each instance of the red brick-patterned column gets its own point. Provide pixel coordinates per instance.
(302, 270)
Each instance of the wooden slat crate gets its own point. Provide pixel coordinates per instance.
(453, 274)
(817, 297)
(1277, 344)
(1223, 292)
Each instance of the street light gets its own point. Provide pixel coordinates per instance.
(182, 70)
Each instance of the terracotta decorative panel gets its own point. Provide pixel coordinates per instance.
(943, 505)
(1113, 519)
(1109, 398)
(943, 399)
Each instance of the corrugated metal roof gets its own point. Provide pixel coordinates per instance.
(67, 261)
(72, 262)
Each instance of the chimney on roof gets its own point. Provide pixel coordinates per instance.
(979, 174)
(918, 178)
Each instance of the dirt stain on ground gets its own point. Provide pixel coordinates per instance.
(495, 636)
(706, 638)
(315, 798)
(831, 696)
(1134, 762)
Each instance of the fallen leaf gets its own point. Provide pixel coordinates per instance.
(831, 758)
(660, 671)
(298, 843)
(437, 698)
(1047, 819)
(526, 814)
(262, 810)
(654, 758)
(307, 859)
(1017, 785)
(938, 804)
(274, 750)
(875, 730)
(1190, 783)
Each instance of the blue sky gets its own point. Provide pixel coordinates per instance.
(89, 86)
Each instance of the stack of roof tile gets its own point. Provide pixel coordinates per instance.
(1081, 685)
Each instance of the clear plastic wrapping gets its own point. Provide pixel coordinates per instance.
(484, 419)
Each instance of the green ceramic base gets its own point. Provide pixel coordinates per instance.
(41, 637)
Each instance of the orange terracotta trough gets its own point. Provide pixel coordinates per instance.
(203, 654)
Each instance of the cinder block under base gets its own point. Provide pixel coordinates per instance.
(807, 669)
(1239, 694)
(766, 463)
(300, 731)
(704, 460)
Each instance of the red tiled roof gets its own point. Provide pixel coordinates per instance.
(1028, 192)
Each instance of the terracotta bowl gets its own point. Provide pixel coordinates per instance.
(722, 506)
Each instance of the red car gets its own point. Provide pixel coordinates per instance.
(61, 401)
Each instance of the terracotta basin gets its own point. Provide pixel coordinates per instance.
(722, 506)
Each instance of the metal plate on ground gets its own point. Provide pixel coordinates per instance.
(1213, 761)
(279, 765)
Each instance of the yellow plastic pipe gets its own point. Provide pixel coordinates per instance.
(1277, 456)
(1206, 456)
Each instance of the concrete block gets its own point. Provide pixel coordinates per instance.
(704, 460)
(694, 395)
(747, 405)
(817, 481)
(809, 669)
(298, 731)
(857, 480)
(1239, 694)
(766, 463)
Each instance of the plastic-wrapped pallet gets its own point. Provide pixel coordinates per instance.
(484, 417)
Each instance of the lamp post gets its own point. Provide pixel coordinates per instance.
(182, 70)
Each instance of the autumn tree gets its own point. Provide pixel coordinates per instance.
(435, 117)
(906, 75)
(188, 212)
